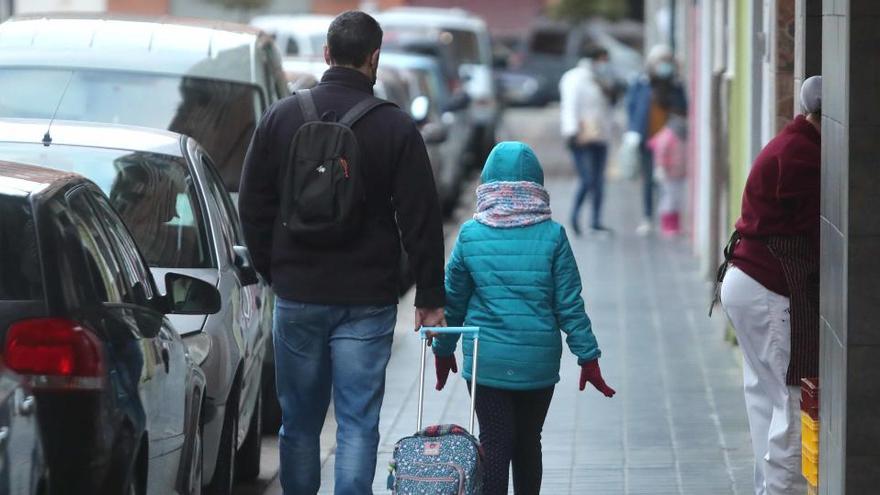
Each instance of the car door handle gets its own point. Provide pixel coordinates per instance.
(26, 405)
(166, 358)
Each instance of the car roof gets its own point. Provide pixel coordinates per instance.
(294, 24)
(20, 179)
(408, 60)
(454, 18)
(92, 135)
(167, 45)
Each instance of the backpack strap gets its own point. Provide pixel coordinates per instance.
(362, 108)
(307, 105)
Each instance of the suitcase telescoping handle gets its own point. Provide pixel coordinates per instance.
(423, 332)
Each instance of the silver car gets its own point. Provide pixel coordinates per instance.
(171, 197)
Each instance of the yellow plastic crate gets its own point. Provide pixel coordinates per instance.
(810, 466)
(809, 432)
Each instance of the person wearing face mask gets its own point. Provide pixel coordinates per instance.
(651, 100)
(585, 125)
(336, 304)
(769, 289)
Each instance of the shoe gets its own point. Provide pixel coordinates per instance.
(645, 228)
(575, 227)
(601, 231)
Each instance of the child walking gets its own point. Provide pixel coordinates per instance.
(670, 168)
(512, 273)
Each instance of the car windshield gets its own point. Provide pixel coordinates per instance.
(153, 193)
(20, 275)
(220, 115)
(465, 45)
(548, 42)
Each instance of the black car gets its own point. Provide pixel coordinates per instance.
(118, 397)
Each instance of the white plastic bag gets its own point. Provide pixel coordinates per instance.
(629, 156)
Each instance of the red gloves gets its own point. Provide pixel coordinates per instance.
(443, 365)
(590, 372)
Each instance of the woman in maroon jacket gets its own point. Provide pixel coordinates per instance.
(770, 293)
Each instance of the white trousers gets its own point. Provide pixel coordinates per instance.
(763, 329)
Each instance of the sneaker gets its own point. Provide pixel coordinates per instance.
(575, 228)
(645, 228)
(601, 231)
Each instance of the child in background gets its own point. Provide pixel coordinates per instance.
(670, 159)
(512, 273)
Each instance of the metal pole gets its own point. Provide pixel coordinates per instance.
(422, 383)
(474, 384)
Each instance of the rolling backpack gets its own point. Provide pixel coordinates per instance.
(323, 196)
(439, 459)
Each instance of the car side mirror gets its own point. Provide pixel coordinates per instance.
(187, 295)
(434, 133)
(420, 108)
(247, 274)
(458, 101)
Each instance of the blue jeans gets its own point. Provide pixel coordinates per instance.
(648, 182)
(589, 160)
(321, 348)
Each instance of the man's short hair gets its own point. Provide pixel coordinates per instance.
(593, 51)
(353, 36)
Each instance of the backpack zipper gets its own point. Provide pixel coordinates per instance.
(344, 163)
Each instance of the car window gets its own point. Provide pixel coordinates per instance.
(154, 193)
(548, 42)
(87, 264)
(20, 272)
(135, 275)
(465, 46)
(221, 115)
(292, 48)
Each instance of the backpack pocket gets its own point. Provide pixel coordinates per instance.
(430, 478)
(315, 191)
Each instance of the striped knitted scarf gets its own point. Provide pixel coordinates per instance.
(512, 204)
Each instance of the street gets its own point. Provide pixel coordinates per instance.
(677, 424)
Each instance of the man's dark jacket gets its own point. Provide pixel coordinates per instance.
(400, 192)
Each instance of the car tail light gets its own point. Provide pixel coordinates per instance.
(55, 353)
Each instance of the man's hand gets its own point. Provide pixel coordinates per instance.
(430, 317)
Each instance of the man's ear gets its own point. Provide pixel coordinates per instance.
(374, 59)
(327, 55)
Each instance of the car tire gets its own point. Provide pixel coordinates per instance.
(194, 479)
(271, 408)
(247, 467)
(224, 471)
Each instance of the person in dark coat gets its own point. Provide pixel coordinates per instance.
(770, 293)
(651, 100)
(336, 305)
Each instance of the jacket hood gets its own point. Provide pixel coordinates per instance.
(512, 161)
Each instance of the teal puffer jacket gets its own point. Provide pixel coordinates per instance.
(521, 286)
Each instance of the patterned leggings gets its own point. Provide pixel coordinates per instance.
(510, 431)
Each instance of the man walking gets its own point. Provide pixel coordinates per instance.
(585, 124)
(336, 302)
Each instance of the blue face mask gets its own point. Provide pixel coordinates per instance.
(664, 70)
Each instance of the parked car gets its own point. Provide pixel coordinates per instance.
(552, 47)
(468, 38)
(207, 79)
(119, 398)
(297, 35)
(23, 469)
(442, 117)
(171, 197)
(303, 72)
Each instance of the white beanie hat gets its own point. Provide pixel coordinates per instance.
(811, 94)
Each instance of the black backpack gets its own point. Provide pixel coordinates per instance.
(323, 195)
